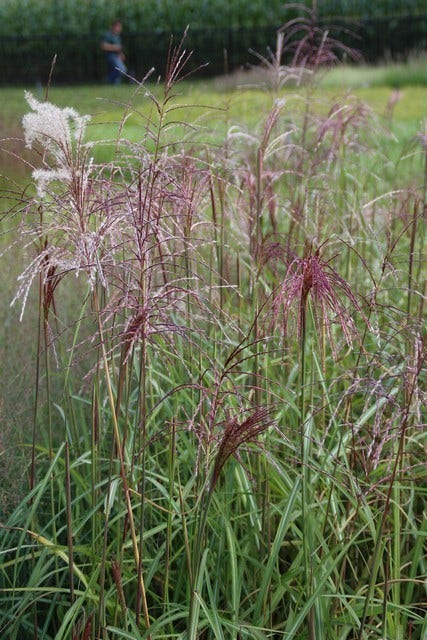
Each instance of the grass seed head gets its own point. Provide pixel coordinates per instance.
(314, 278)
(237, 433)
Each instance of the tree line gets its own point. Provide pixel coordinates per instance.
(30, 18)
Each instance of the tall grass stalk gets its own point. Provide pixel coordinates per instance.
(119, 453)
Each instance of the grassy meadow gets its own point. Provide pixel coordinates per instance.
(213, 372)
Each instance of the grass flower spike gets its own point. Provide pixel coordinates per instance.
(56, 130)
(53, 127)
(312, 277)
(237, 433)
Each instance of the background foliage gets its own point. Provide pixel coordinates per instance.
(222, 34)
(34, 17)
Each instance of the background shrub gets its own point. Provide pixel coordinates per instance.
(33, 31)
(34, 17)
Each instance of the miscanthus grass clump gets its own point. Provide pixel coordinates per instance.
(229, 410)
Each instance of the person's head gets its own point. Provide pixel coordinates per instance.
(116, 26)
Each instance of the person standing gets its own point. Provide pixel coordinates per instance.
(111, 44)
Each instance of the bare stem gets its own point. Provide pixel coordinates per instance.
(129, 510)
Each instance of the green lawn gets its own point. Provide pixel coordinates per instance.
(371, 84)
(215, 106)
